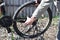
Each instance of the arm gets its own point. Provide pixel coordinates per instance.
(42, 7)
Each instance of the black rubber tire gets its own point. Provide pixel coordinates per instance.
(30, 36)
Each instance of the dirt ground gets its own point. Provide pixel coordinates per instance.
(50, 34)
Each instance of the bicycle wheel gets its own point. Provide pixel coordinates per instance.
(38, 27)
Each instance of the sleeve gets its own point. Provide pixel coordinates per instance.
(42, 7)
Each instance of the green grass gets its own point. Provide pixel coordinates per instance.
(55, 20)
(12, 38)
(56, 17)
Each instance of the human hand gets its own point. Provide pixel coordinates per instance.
(29, 21)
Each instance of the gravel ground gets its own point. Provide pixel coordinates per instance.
(50, 34)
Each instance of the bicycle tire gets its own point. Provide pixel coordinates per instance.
(30, 36)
